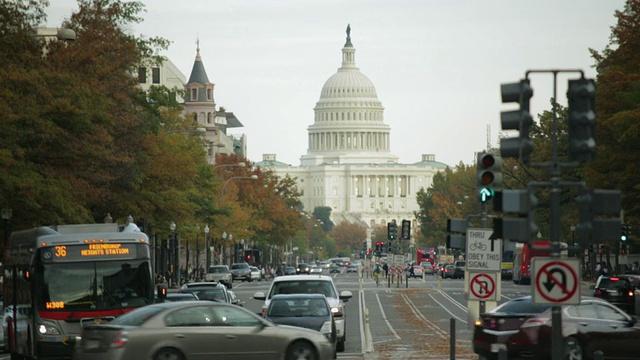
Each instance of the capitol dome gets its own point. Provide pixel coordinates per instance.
(349, 119)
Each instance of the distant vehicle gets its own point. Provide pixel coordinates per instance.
(418, 271)
(303, 268)
(315, 270)
(220, 273)
(523, 329)
(241, 271)
(311, 311)
(312, 284)
(335, 268)
(190, 329)
(207, 291)
(427, 268)
(447, 273)
(524, 254)
(289, 270)
(352, 269)
(507, 265)
(426, 254)
(255, 273)
(458, 269)
(617, 290)
(324, 264)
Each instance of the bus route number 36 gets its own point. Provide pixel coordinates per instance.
(61, 251)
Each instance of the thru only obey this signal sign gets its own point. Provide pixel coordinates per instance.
(483, 254)
(556, 281)
(482, 286)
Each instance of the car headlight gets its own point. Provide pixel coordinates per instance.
(48, 330)
(336, 311)
(326, 328)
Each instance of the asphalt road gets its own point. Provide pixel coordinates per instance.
(413, 322)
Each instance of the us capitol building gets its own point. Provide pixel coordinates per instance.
(348, 165)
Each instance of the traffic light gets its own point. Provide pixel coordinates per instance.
(624, 234)
(521, 202)
(624, 249)
(406, 230)
(392, 230)
(603, 249)
(581, 94)
(457, 233)
(519, 147)
(595, 202)
(489, 175)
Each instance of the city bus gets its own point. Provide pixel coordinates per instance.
(59, 278)
(426, 254)
(524, 254)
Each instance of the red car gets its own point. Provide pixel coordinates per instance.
(523, 330)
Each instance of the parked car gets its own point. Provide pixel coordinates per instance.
(194, 330)
(207, 291)
(447, 272)
(303, 268)
(427, 268)
(458, 269)
(255, 273)
(311, 284)
(617, 290)
(352, 269)
(289, 270)
(311, 311)
(220, 273)
(523, 329)
(241, 271)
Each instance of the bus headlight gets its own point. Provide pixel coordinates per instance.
(48, 330)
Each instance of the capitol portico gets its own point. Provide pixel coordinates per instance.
(349, 166)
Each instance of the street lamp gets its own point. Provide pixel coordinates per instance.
(252, 177)
(207, 250)
(240, 164)
(174, 260)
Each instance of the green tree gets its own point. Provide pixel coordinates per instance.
(349, 236)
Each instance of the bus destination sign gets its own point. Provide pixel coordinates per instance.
(61, 253)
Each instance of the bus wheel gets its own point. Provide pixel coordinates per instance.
(168, 354)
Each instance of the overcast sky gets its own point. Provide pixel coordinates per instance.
(437, 65)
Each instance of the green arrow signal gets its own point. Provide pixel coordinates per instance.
(485, 194)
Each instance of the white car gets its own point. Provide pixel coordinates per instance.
(316, 284)
(255, 273)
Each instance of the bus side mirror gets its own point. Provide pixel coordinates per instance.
(162, 292)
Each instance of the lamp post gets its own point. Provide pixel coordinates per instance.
(223, 246)
(6, 214)
(174, 267)
(207, 250)
(240, 164)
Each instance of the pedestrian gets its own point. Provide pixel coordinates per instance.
(598, 269)
(201, 272)
(385, 267)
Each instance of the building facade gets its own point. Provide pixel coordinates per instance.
(349, 166)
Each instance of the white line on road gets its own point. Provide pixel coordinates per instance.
(447, 310)
(453, 301)
(419, 315)
(384, 316)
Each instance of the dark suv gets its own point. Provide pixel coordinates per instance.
(458, 269)
(618, 290)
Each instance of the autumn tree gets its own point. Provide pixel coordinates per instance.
(349, 236)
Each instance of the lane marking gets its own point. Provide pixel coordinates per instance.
(447, 310)
(419, 315)
(384, 317)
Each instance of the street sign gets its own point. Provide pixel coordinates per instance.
(398, 260)
(482, 286)
(483, 254)
(557, 281)
(399, 270)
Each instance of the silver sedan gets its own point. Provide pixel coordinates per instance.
(198, 330)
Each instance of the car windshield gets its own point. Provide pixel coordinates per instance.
(239, 266)
(298, 308)
(303, 287)
(521, 306)
(137, 317)
(214, 294)
(218, 270)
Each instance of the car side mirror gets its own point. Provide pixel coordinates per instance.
(345, 295)
(259, 295)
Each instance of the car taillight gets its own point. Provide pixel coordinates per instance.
(597, 293)
(630, 292)
(120, 340)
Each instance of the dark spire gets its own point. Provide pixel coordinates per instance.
(348, 43)
(198, 74)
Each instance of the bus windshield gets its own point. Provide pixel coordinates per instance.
(89, 286)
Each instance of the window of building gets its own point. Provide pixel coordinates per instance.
(142, 75)
(209, 94)
(194, 94)
(155, 74)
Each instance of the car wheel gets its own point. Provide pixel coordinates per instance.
(168, 354)
(340, 346)
(301, 350)
(573, 349)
